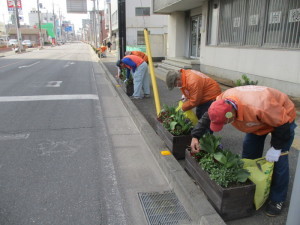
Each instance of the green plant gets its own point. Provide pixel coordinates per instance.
(210, 143)
(223, 166)
(123, 77)
(175, 121)
(245, 81)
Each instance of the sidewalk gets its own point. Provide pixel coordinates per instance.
(144, 114)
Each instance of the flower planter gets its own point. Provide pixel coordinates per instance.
(128, 88)
(176, 144)
(232, 202)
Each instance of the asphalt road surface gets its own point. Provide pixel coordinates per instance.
(52, 139)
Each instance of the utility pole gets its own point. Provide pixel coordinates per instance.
(39, 19)
(18, 27)
(122, 27)
(5, 30)
(95, 23)
(54, 23)
(60, 26)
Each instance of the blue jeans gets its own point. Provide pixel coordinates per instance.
(253, 147)
(141, 80)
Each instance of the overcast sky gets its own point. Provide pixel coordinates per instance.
(28, 5)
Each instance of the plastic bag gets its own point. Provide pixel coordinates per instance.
(261, 174)
(189, 114)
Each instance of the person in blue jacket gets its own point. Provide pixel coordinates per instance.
(139, 69)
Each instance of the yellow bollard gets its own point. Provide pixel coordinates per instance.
(153, 78)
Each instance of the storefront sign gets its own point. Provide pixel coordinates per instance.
(294, 15)
(275, 17)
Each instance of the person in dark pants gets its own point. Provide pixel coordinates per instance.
(257, 111)
(198, 89)
(109, 44)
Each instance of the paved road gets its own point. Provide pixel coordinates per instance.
(55, 157)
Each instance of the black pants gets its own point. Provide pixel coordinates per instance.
(203, 108)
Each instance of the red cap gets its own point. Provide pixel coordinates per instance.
(216, 112)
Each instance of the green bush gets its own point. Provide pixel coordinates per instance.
(245, 81)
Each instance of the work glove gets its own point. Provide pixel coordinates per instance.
(183, 98)
(273, 154)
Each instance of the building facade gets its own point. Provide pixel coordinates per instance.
(259, 38)
(139, 15)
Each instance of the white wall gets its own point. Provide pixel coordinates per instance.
(156, 24)
(177, 35)
(114, 9)
(154, 20)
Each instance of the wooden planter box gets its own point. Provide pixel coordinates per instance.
(231, 203)
(176, 144)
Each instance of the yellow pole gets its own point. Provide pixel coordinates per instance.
(153, 78)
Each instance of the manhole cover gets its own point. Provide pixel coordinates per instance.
(163, 208)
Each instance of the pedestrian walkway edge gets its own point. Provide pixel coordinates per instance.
(190, 195)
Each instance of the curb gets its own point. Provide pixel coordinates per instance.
(190, 195)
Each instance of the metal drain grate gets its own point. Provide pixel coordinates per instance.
(163, 208)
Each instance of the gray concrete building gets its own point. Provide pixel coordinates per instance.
(228, 38)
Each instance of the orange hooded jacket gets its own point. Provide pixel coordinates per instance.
(141, 55)
(197, 88)
(260, 109)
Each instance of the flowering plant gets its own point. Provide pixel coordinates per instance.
(123, 77)
(175, 121)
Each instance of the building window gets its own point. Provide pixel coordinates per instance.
(259, 23)
(142, 11)
(141, 38)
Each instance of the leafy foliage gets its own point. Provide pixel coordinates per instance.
(123, 77)
(210, 143)
(245, 81)
(175, 121)
(223, 166)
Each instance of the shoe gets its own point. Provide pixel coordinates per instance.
(273, 208)
(135, 97)
(146, 96)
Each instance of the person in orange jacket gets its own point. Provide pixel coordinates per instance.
(140, 54)
(198, 89)
(257, 111)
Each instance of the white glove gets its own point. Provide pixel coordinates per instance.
(273, 154)
(183, 98)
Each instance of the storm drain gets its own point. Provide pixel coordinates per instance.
(163, 208)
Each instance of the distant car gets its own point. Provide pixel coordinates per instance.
(27, 43)
(12, 42)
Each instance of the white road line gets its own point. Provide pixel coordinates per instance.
(29, 65)
(10, 64)
(54, 84)
(47, 97)
(5, 137)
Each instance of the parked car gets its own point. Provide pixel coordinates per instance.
(12, 42)
(27, 43)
